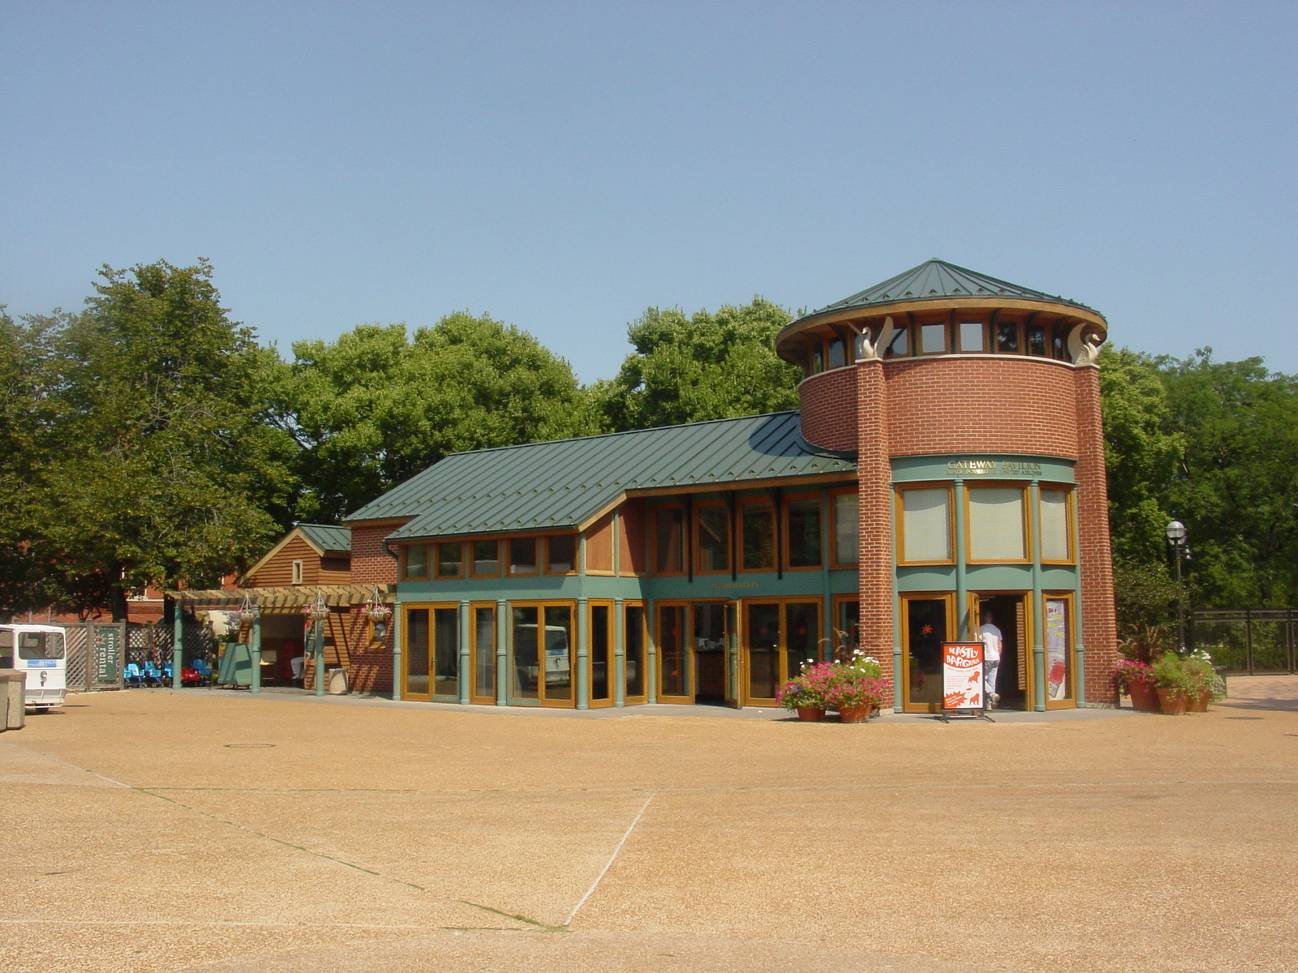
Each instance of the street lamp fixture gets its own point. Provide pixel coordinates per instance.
(1176, 537)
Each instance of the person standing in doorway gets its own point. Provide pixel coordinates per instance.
(991, 639)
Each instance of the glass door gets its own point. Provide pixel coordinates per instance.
(601, 666)
(634, 641)
(674, 655)
(541, 656)
(1057, 616)
(482, 654)
(928, 620)
(761, 652)
(415, 653)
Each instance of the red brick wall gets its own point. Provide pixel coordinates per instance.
(874, 474)
(371, 564)
(829, 409)
(981, 405)
(368, 662)
(1099, 623)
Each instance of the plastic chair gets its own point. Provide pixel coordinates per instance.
(204, 670)
(152, 674)
(166, 674)
(132, 676)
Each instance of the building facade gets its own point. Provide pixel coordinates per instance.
(946, 464)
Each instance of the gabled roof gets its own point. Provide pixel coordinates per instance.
(564, 484)
(327, 537)
(936, 280)
(321, 538)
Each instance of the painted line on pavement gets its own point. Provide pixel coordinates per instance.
(612, 858)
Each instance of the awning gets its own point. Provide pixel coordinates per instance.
(287, 598)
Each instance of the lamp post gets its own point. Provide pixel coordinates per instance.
(1176, 538)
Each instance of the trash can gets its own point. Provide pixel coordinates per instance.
(336, 682)
(14, 684)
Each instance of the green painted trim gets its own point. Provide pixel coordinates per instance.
(962, 619)
(503, 618)
(396, 647)
(465, 674)
(619, 649)
(898, 703)
(254, 650)
(1038, 623)
(581, 554)
(583, 654)
(651, 654)
(993, 466)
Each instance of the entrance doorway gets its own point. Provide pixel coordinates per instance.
(693, 657)
(1009, 613)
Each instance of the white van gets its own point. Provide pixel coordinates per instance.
(557, 666)
(41, 652)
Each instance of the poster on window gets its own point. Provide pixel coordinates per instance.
(1057, 648)
(962, 676)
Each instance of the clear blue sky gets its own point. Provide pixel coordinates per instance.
(563, 168)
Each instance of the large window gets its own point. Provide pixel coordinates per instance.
(899, 344)
(601, 654)
(837, 353)
(446, 651)
(673, 681)
(925, 516)
(450, 560)
(932, 339)
(846, 525)
(522, 555)
(778, 639)
(996, 523)
(713, 539)
(1055, 533)
(669, 540)
(757, 537)
(416, 561)
(561, 553)
(416, 655)
(803, 522)
(432, 652)
(486, 559)
(972, 336)
(1007, 338)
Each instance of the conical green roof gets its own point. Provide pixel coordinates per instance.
(936, 280)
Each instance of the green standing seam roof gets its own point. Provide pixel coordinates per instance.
(561, 484)
(328, 537)
(939, 280)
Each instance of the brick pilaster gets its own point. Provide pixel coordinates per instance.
(874, 473)
(1099, 622)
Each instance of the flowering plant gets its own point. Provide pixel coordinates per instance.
(1129, 671)
(852, 687)
(807, 690)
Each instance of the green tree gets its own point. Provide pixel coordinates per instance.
(706, 366)
(1237, 482)
(159, 464)
(375, 407)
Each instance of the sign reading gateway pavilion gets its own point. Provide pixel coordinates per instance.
(992, 467)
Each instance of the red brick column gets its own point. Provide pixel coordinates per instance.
(875, 529)
(1099, 623)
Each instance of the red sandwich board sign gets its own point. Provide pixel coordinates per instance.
(962, 680)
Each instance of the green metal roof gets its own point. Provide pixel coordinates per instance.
(562, 484)
(938, 280)
(328, 537)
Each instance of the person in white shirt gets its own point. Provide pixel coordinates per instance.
(991, 639)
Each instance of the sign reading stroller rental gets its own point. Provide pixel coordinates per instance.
(962, 676)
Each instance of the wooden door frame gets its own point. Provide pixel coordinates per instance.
(610, 652)
(540, 607)
(645, 620)
(1069, 701)
(952, 627)
(1025, 637)
(687, 649)
(782, 643)
(474, 696)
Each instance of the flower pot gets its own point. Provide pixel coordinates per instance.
(1143, 697)
(1198, 702)
(855, 714)
(810, 714)
(1172, 702)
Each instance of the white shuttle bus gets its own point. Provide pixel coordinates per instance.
(41, 653)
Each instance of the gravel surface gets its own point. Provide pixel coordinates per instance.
(153, 830)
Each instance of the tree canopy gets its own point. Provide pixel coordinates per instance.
(150, 460)
(706, 366)
(376, 406)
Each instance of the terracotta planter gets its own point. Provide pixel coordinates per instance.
(855, 714)
(810, 714)
(1198, 702)
(1171, 702)
(1143, 697)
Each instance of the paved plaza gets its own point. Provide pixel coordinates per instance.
(153, 830)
